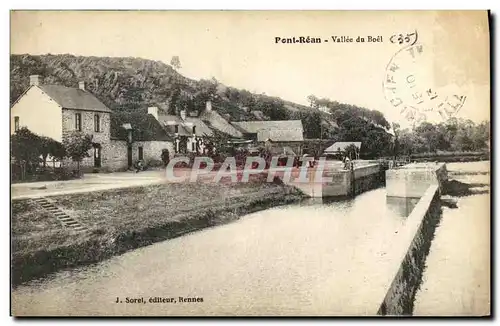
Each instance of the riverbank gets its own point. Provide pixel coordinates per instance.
(124, 219)
(451, 157)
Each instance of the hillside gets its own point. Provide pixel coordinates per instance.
(133, 84)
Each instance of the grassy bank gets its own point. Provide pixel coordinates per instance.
(124, 219)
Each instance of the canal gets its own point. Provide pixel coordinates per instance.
(303, 259)
(312, 258)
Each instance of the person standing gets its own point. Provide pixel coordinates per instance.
(165, 157)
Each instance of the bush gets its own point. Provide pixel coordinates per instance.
(154, 163)
(50, 174)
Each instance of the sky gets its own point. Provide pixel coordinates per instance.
(239, 49)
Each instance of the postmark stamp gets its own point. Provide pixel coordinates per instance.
(409, 87)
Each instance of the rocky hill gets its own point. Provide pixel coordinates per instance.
(133, 84)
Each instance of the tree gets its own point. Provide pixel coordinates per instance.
(351, 151)
(176, 62)
(216, 142)
(312, 101)
(396, 128)
(51, 147)
(25, 148)
(77, 146)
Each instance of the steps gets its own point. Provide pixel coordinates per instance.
(66, 220)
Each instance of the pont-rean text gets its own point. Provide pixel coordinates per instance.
(330, 39)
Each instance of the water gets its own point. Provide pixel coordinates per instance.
(317, 258)
(456, 281)
(308, 259)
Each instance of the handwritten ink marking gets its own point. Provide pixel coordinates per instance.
(407, 39)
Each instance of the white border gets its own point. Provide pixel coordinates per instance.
(190, 5)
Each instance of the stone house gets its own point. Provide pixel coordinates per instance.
(189, 132)
(137, 136)
(281, 137)
(57, 111)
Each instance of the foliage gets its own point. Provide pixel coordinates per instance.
(51, 147)
(77, 146)
(217, 142)
(351, 151)
(313, 101)
(175, 62)
(454, 135)
(25, 146)
(28, 150)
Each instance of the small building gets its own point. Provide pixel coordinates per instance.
(282, 136)
(341, 146)
(188, 132)
(214, 120)
(137, 136)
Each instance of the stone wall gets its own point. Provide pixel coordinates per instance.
(407, 275)
(413, 180)
(277, 147)
(340, 182)
(118, 159)
(102, 137)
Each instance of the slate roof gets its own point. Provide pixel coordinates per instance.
(185, 126)
(278, 131)
(74, 98)
(144, 127)
(216, 121)
(341, 146)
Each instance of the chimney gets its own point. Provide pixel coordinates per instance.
(153, 110)
(81, 85)
(35, 80)
(208, 106)
(183, 114)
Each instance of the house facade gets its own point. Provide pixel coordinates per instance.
(57, 111)
(189, 132)
(137, 136)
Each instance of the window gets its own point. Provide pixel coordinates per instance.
(16, 123)
(192, 146)
(78, 121)
(176, 129)
(194, 130)
(97, 123)
(141, 154)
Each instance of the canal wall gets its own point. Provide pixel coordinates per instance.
(412, 180)
(343, 183)
(27, 266)
(407, 276)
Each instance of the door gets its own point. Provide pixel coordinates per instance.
(97, 155)
(129, 156)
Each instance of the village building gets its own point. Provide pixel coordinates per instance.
(137, 136)
(280, 137)
(57, 111)
(339, 148)
(189, 133)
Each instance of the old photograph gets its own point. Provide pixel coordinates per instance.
(250, 163)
